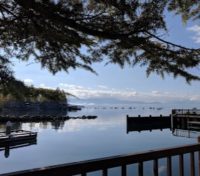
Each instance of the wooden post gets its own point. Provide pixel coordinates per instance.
(181, 165)
(198, 140)
(192, 167)
(172, 121)
(140, 168)
(169, 166)
(123, 170)
(199, 162)
(155, 167)
(105, 172)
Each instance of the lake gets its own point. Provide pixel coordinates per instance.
(83, 139)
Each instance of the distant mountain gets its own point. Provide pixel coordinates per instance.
(184, 104)
(178, 104)
(113, 101)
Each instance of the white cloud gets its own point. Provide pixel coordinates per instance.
(28, 82)
(105, 92)
(155, 92)
(99, 92)
(42, 85)
(196, 30)
(102, 86)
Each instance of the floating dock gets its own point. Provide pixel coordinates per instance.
(142, 123)
(16, 137)
(182, 122)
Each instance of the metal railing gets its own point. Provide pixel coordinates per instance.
(103, 164)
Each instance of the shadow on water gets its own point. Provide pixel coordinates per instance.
(14, 145)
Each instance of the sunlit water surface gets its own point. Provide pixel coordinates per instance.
(77, 140)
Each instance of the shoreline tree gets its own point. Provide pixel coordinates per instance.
(32, 94)
(56, 33)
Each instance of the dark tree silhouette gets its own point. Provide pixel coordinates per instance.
(56, 33)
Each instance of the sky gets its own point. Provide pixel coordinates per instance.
(127, 84)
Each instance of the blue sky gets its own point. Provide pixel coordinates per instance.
(123, 84)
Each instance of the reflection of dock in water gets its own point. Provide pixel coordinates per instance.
(20, 144)
(182, 122)
(188, 119)
(17, 139)
(186, 133)
(147, 123)
(186, 122)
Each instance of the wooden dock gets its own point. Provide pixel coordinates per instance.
(186, 122)
(16, 136)
(142, 123)
(186, 119)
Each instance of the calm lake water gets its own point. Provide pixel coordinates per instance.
(77, 140)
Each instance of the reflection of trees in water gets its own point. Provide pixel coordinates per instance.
(2, 127)
(15, 126)
(43, 125)
(32, 125)
(25, 111)
(58, 124)
(54, 124)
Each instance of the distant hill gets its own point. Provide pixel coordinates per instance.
(113, 101)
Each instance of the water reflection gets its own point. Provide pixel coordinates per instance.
(33, 111)
(56, 125)
(15, 126)
(82, 139)
(20, 144)
(180, 129)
